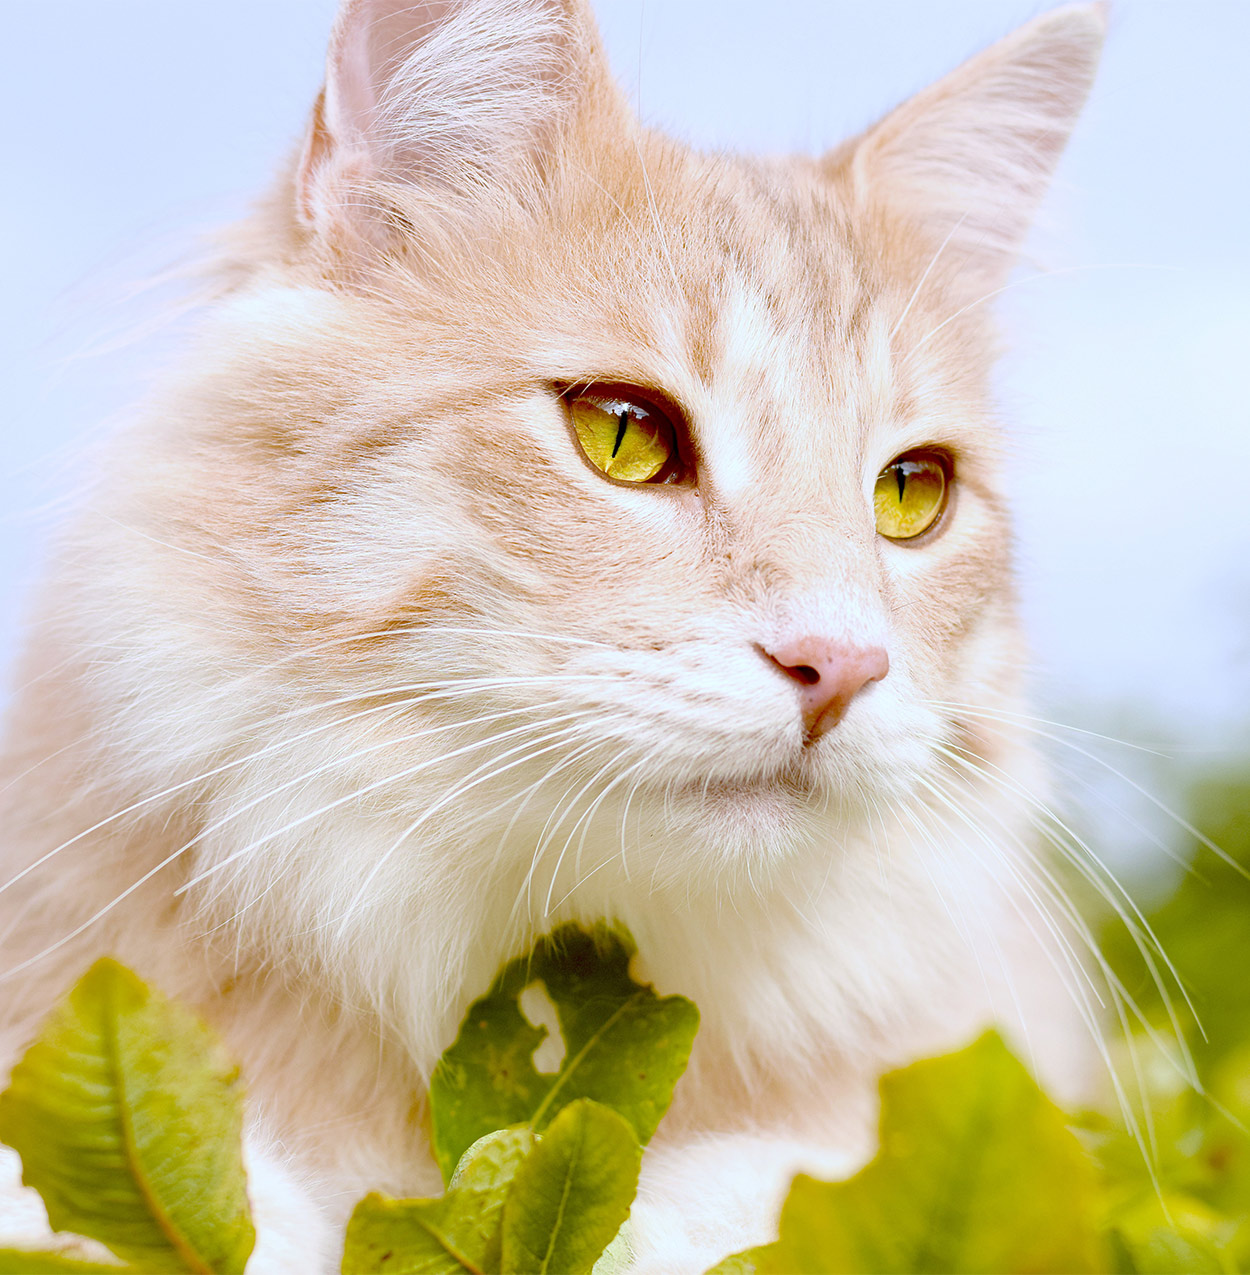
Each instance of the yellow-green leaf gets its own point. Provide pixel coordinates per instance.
(18, 1261)
(128, 1118)
(572, 1194)
(1176, 1235)
(458, 1233)
(977, 1172)
(744, 1263)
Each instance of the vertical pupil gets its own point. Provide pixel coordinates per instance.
(899, 474)
(620, 432)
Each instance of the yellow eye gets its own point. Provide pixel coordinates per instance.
(624, 439)
(910, 494)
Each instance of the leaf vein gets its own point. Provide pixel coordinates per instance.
(177, 1241)
(573, 1063)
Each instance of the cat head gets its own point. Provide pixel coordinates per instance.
(653, 472)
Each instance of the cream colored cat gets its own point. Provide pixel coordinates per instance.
(554, 522)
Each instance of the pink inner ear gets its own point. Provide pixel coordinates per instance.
(433, 92)
(351, 91)
(371, 41)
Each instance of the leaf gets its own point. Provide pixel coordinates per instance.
(618, 1257)
(572, 1194)
(128, 1120)
(625, 1046)
(459, 1232)
(1225, 1152)
(1174, 1236)
(976, 1172)
(1191, 1181)
(744, 1263)
(16, 1261)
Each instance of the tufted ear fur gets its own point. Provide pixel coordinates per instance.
(450, 96)
(970, 157)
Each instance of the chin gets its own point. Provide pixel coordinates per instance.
(744, 828)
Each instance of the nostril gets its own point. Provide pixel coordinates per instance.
(829, 674)
(804, 674)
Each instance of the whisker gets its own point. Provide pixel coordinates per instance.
(442, 692)
(491, 773)
(590, 783)
(652, 207)
(552, 824)
(1071, 854)
(584, 822)
(14, 970)
(1084, 859)
(1118, 994)
(928, 270)
(602, 862)
(357, 793)
(1033, 278)
(1028, 719)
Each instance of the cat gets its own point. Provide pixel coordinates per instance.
(552, 522)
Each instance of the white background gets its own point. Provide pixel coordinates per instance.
(130, 128)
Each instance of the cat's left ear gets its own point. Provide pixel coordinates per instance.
(969, 158)
(446, 96)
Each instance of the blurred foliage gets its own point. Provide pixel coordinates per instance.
(1177, 1153)
(1202, 930)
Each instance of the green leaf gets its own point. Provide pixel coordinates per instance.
(618, 1257)
(459, 1232)
(128, 1119)
(1177, 1235)
(572, 1194)
(16, 1261)
(1185, 1154)
(408, 1237)
(744, 1263)
(625, 1046)
(976, 1172)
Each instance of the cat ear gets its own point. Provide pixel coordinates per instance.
(445, 94)
(971, 156)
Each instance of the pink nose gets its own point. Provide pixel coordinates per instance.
(829, 675)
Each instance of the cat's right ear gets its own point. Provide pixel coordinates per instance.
(447, 96)
(970, 157)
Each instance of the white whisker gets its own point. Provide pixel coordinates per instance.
(928, 270)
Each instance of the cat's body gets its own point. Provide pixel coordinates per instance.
(354, 676)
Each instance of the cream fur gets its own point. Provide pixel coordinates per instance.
(352, 677)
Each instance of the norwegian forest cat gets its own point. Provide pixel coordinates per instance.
(552, 522)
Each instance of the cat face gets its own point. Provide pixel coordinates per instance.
(593, 453)
(663, 611)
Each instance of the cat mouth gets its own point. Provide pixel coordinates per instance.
(781, 785)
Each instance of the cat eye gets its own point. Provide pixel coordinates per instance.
(911, 493)
(625, 436)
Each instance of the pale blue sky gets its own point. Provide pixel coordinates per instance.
(133, 125)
